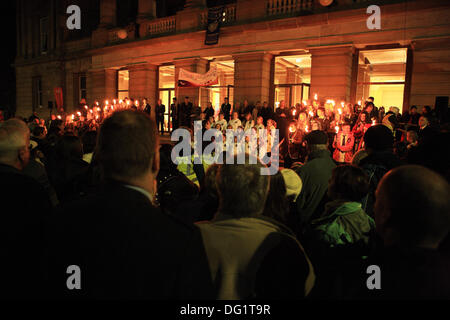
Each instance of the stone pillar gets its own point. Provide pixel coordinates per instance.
(195, 3)
(331, 73)
(250, 10)
(143, 82)
(102, 84)
(107, 13)
(146, 10)
(430, 72)
(252, 77)
(197, 65)
(189, 19)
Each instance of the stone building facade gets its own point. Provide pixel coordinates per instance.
(256, 38)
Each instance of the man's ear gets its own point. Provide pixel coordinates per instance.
(23, 155)
(155, 164)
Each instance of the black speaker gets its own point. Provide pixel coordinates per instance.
(441, 108)
(50, 105)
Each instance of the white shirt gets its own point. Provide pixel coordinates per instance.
(143, 191)
(235, 123)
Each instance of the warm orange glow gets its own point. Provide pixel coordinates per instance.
(86, 107)
(342, 104)
(337, 129)
(79, 113)
(304, 103)
(340, 111)
(374, 122)
(315, 96)
(294, 112)
(311, 114)
(292, 129)
(306, 129)
(106, 102)
(59, 117)
(359, 102)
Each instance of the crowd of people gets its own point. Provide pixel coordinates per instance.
(358, 187)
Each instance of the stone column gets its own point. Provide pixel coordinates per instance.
(189, 19)
(107, 13)
(195, 3)
(143, 82)
(146, 10)
(250, 10)
(430, 72)
(252, 77)
(102, 84)
(331, 73)
(197, 65)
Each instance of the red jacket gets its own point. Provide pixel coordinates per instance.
(346, 148)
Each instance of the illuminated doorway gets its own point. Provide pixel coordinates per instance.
(166, 77)
(123, 80)
(225, 87)
(292, 79)
(381, 74)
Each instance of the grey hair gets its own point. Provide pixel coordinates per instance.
(14, 135)
(242, 189)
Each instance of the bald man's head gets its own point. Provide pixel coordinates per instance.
(413, 207)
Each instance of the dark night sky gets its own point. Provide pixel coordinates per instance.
(8, 27)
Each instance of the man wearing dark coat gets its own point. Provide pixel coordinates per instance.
(125, 247)
(186, 112)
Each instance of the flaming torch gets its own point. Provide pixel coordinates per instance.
(315, 96)
(337, 129)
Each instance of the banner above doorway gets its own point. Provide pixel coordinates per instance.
(192, 79)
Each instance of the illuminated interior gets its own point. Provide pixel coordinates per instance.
(217, 93)
(292, 78)
(167, 91)
(381, 74)
(123, 80)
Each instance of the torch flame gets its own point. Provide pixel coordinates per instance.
(340, 111)
(311, 114)
(315, 96)
(86, 107)
(337, 129)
